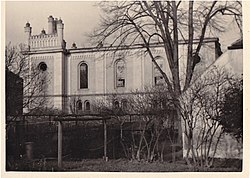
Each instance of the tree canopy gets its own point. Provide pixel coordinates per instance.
(231, 117)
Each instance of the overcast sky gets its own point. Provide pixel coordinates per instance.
(79, 18)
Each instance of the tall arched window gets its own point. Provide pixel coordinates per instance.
(158, 78)
(120, 73)
(87, 105)
(43, 78)
(83, 75)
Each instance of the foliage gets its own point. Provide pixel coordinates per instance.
(200, 110)
(231, 117)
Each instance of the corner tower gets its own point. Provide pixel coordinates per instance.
(49, 49)
(51, 40)
(28, 31)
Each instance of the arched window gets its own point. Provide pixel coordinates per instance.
(83, 75)
(42, 84)
(79, 105)
(158, 78)
(116, 104)
(120, 73)
(87, 105)
(124, 104)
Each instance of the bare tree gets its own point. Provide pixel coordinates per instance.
(200, 109)
(35, 81)
(147, 23)
(151, 115)
(30, 94)
(74, 105)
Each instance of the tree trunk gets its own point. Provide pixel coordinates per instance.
(190, 46)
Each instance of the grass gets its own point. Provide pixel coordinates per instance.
(123, 165)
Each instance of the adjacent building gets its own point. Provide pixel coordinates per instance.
(14, 94)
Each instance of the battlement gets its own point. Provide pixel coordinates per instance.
(54, 38)
(44, 41)
(43, 36)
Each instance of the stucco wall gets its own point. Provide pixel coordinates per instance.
(64, 70)
(232, 62)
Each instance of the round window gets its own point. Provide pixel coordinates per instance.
(42, 66)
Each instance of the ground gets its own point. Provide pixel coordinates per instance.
(123, 165)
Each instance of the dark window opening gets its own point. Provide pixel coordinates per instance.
(121, 82)
(87, 106)
(83, 75)
(124, 104)
(116, 104)
(79, 105)
(42, 66)
(159, 80)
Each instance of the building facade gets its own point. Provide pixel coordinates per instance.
(14, 94)
(86, 74)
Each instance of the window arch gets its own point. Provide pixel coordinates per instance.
(124, 104)
(116, 104)
(120, 73)
(83, 75)
(87, 105)
(79, 105)
(43, 78)
(42, 66)
(157, 76)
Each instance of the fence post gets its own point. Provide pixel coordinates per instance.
(105, 139)
(59, 144)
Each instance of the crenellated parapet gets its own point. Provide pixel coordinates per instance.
(53, 39)
(44, 41)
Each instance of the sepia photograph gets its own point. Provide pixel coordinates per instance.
(123, 87)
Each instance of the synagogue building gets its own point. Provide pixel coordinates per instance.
(84, 75)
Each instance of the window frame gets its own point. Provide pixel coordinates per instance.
(154, 69)
(85, 105)
(42, 66)
(79, 75)
(124, 74)
(77, 105)
(116, 104)
(124, 104)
